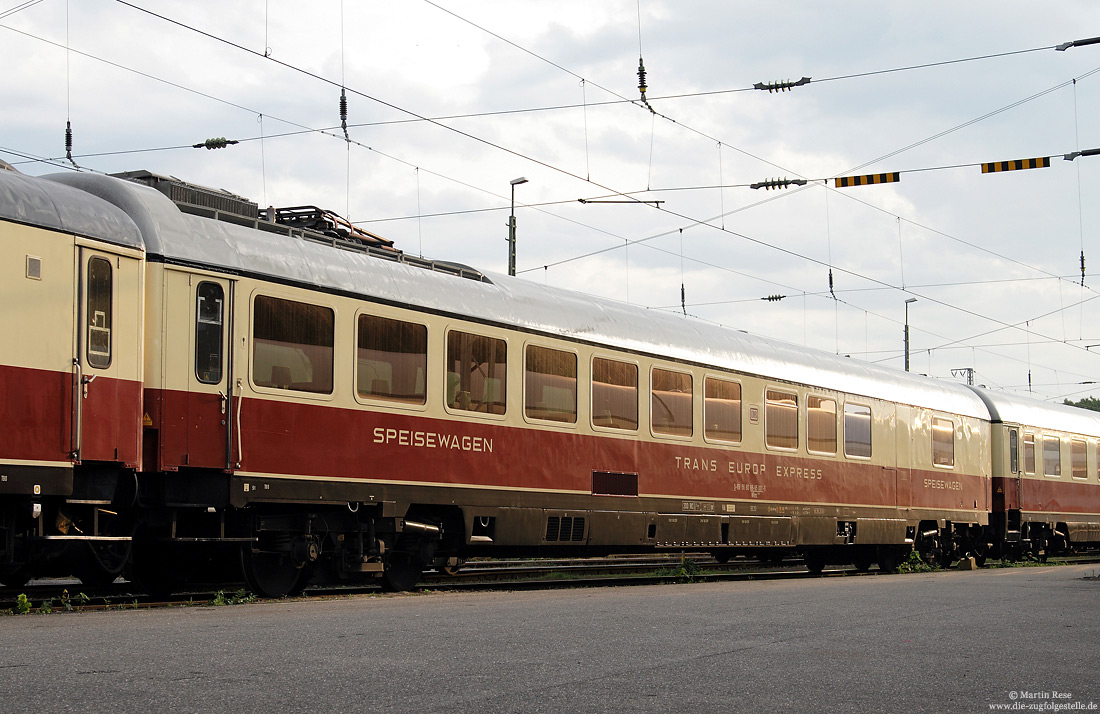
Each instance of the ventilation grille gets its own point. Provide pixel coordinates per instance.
(565, 528)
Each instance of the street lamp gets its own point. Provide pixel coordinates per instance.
(512, 227)
(907, 332)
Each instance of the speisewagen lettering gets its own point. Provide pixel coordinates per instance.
(432, 440)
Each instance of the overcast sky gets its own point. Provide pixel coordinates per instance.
(539, 90)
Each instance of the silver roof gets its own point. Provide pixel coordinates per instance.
(1014, 409)
(26, 199)
(509, 301)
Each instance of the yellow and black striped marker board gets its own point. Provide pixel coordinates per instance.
(995, 166)
(867, 179)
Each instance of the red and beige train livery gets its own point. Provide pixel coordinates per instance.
(300, 403)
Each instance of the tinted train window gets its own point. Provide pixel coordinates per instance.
(1052, 456)
(943, 442)
(857, 430)
(551, 384)
(391, 360)
(292, 345)
(721, 409)
(821, 424)
(209, 316)
(614, 394)
(477, 371)
(1029, 453)
(100, 295)
(670, 405)
(1013, 451)
(1078, 460)
(780, 419)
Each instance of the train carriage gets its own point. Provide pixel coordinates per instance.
(314, 406)
(1046, 495)
(71, 281)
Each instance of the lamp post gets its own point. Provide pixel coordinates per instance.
(907, 332)
(512, 227)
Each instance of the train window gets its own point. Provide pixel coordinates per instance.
(943, 442)
(477, 370)
(391, 360)
(1029, 453)
(614, 394)
(857, 431)
(821, 425)
(1052, 456)
(721, 409)
(209, 315)
(780, 419)
(99, 309)
(292, 345)
(1078, 459)
(1013, 451)
(550, 378)
(670, 405)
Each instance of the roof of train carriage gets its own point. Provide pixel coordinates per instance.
(1013, 409)
(28, 200)
(509, 301)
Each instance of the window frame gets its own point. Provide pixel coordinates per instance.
(1084, 454)
(1047, 439)
(691, 402)
(93, 359)
(576, 385)
(448, 403)
(797, 426)
(390, 401)
(932, 435)
(200, 340)
(335, 349)
(611, 428)
(836, 432)
(707, 435)
(870, 431)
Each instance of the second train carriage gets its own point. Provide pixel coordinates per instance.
(1046, 495)
(313, 405)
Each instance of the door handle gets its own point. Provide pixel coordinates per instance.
(85, 380)
(224, 401)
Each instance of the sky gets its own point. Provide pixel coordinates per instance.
(449, 102)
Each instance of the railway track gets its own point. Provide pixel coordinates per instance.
(59, 595)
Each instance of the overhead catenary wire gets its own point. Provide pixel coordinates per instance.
(723, 211)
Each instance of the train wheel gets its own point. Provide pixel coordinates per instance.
(270, 574)
(815, 561)
(863, 561)
(402, 573)
(888, 559)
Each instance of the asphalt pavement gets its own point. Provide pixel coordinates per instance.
(937, 642)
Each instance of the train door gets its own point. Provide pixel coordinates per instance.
(209, 373)
(1012, 476)
(106, 402)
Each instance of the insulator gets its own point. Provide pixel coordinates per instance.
(683, 299)
(773, 298)
(69, 140)
(641, 76)
(343, 107)
(778, 183)
(781, 86)
(1082, 267)
(831, 284)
